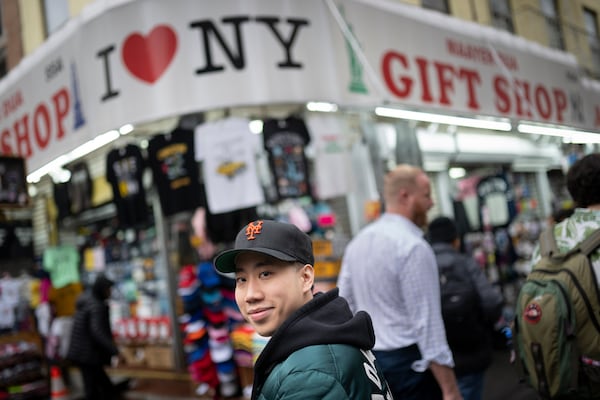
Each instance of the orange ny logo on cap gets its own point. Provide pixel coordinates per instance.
(252, 229)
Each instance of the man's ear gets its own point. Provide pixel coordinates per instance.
(403, 195)
(308, 276)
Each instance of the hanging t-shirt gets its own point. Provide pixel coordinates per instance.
(80, 188)
(467, 194)
(332, 156)
(228, 150)
(10, 290)
(64, 299)
(285, 141)
(7, 315)
(62, 262)
(61, 199)
(175, 172)
(495, 194)
(124, 171)
(16, 240)
(223, 227)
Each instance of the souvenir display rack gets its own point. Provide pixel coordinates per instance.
(23, 371)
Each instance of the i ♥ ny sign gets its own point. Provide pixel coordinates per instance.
(147, 57)
(151, 59)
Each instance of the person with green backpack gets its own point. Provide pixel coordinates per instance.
(557, 322)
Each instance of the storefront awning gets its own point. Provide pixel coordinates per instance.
(129, 62)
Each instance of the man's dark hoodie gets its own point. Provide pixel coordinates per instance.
(321, 347)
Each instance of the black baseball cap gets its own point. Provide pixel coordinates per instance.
(277, 239)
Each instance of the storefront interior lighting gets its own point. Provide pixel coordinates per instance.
(321, 106)
(501, 124)
(457, 172)
(60, 175)
(125, 129)
(54, 167)
(568, 135)
(94, 144)
(256, 126)
(32, 190)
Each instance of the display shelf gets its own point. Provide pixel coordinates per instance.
(23, 370)
(89, 216)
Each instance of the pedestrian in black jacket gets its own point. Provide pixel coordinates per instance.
(470, 307)
(92, 346)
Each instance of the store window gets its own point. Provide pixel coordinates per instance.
(502, 15)
(437, 5)
(553, 28)
(591, 28)
(56, 13)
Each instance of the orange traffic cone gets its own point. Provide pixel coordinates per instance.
(57, 386)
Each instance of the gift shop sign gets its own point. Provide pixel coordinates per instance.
(430, 61)
(138, 61)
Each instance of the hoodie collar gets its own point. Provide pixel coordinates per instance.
(326, 319)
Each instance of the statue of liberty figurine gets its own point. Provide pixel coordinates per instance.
(78, 118)
(356, 70)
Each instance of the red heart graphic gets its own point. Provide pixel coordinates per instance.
(148, 57)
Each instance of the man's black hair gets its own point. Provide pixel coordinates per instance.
(583, 180)
(562, 214)
(442, 230)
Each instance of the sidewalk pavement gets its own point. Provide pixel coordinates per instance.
(502, 380)
(148, 389)
(501, 383)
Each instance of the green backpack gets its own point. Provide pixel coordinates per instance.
(558, 321)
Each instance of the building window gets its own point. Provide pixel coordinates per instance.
(550, 11)
(1, 22)
(56, 13)
(437, 5)
(3, 63)
(502, 15)
(591, 29)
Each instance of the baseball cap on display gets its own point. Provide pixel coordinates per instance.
(277, 239)
(208, 276)
(187, 277)
(220, 351)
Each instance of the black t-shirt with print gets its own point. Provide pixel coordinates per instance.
(124, 171)
(61, 199)
(285, 141)
(80, 188)
(175, 171)
(223, 227)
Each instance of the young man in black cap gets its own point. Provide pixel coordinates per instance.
(314, 339)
